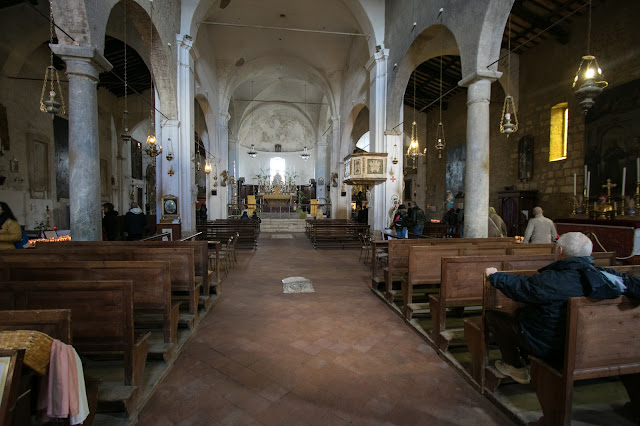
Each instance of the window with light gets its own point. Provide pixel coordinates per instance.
(363, 142)
(558, 132)
(276, 165)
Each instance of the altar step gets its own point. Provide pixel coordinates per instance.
(282, 225)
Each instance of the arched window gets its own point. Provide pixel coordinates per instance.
(276, 165)
(558, 133)
(363, 142)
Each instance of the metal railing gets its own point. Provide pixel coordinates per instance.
(289, 211)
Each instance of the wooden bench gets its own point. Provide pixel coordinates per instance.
(247, 230)
(462, 284)
(56, 323)
(102, 313)
(477, 338)
(425, 262)
(398, 256)
(151, 284)
(602, 340)
(200, 250)
(346, 235)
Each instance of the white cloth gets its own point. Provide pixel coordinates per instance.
(83, 404)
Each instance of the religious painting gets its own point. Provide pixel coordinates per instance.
(525, 158)
(38, 166)
(4, 129)
(61, 142)
(136, 160)
(455, 168)
(612, 139)
(14, 166)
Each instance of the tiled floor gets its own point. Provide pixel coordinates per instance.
(336, 356)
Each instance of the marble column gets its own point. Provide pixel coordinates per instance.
(184, 164)
(84, 64)
(337, 166)
(222, 129)
(476, 208)
(321, 172)
(233, 162)
(377, 68)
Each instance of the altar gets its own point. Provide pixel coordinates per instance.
(621, 235)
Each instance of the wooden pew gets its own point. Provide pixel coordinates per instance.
(338, 235)
(151, 284)
(462, 283)
(222, 229)
(425, 262)
(398, 255)
(602, 340)
(102, 313)
(476, 335)
(200, 250)
(56, 323)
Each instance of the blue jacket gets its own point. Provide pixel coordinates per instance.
(543, 319)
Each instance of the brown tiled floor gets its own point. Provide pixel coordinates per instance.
(336, 356)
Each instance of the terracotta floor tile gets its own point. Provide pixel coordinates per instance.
(337, 356)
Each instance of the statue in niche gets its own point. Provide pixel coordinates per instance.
(525, 158)
(277, 179)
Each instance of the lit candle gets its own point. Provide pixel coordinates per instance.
(638, 168)
(624, 178)
(574, 185)
(507, 116)
(588, 183)
(615, 206)
(584, 182)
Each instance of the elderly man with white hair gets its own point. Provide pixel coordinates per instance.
(538, 328)
(539, 228)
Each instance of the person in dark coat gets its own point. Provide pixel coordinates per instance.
(135, 221)
(110, 222)
(538, 328)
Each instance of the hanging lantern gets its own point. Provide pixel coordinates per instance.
(440, 141)
(252, 152)
(590, 81)
(126, 135)
(394, 160)
(51, 105)
(152, 149)
(305, 154)
(169, 156)
(507, 126)
(207, 166)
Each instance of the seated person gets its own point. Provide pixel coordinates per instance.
(538, 329)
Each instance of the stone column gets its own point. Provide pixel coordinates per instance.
(165, 183)
(222, 128)
(336, 167)
(393, 185)
(476, 208)
(233, 158)
(84, 64)
(183, 164)
(377, 68)
(321, 172)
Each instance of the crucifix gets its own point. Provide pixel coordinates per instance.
(609, 185)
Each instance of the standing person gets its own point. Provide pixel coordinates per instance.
(539, 327)
(10, 231)
(135, 221)
(418, 218)
(110, 222)
(400, 222)
(497, 227)
(539, 229)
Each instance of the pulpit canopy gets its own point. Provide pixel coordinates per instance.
(365, 168)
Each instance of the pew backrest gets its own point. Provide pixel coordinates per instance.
(56, 323)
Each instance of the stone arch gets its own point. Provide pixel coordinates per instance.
(210, 121)
(346, 141)
(297, 69)
(431, 43)
(368, 14)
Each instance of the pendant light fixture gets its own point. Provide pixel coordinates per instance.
(440, 140)
(252, 152)
(508, 108)
(51, 105)
(589, 77)
(413, 151)
(126, 135)
(305, 154)
(152, 149)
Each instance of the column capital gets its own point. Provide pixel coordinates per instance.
(393, 133)
(479, 75)
(184, 41)
(170, 123)
(82, 60)
(378, 57)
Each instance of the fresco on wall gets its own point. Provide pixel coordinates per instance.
(612, 138)
(61, 141)
(456, 159)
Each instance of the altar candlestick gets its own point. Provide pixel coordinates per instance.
(638, 168)
(574, 184)
(588, 183)
(584, 182)
(624, 178)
